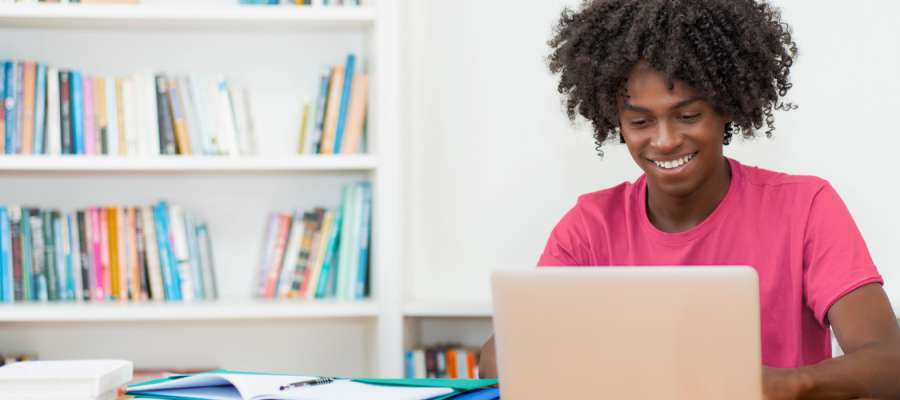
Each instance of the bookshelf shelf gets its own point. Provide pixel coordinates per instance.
(10, 164)
(175, 311)
(454, 309)
(136, 17)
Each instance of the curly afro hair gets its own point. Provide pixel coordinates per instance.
(736, 53)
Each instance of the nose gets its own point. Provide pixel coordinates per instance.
(666, 138)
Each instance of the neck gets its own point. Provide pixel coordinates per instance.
(674, 213)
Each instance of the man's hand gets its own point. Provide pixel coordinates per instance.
(780, 384)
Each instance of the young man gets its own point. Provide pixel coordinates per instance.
(674, 80)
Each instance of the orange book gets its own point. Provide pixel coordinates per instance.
(113, 251)
(332, 109)
(356, 114)
(452, 369)
(181, 132)
(471, 365)
(122, 253)
(30, 74)
(134, 271)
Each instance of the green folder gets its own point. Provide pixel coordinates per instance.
(460, 385)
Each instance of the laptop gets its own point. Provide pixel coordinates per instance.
(674, 333)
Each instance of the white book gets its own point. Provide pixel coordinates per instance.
(75, 246)
(179, 242)
(190, 228)
(129, 112)
(149, 92)
(112, 118)
(205, 121)
(64, 380)
(53, 133)
(241, 123)
(291, 252)
(227, 136)
(140, 114)
(189, 112)
(212, 95)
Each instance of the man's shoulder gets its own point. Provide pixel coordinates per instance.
(767, 180)
(606, 200)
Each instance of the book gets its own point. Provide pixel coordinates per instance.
(54, 130)
(303, 143)
(10, 107)
(141, 250)
(112, 118)
(105, 257)
(112, 236)
(205, 121)
(363, 242)
(100, 116)
(291, 251)
(84, 239)
(90, 132)
(120, 118)
(122, 253)
(141, 115)
(329, 267)
(130, 121)
(40, 109)
(179, 124)
(265, 254)
(15, 234)
(204, 246)
(60, 251)
(332, 110)
(166, 128)
(75, 250)
(6, 277)
(356, 115)
(190, 116)
(29, 80)
(28, 253)
(345, 102)
(97, 240)
(317, 255)
(347, 270)
(311, 221)
(20, 107)
(284, 226)
(321, 100)
(151, 250)
(65, 111)
(190, 228)
(241, 114)
(180, 250)
(168, 261)
(66, 379)
(51, 268)
(134, 270)
(37, 284)
(77, 98)
(227, 136)
(148, 93)
(3, 108)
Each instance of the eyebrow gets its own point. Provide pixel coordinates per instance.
(629, 107)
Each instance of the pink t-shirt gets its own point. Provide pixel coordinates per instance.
(794, 230)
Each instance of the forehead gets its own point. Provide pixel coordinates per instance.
(647, 85)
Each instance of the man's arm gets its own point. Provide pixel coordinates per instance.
(866, 328)
(487, 366)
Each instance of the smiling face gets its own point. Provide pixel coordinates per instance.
(675, 136)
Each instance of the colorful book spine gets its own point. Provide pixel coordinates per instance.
(90, 132)
(166, 128)
(50, 259)
(3, 108)
(122, 254)
(84, 245)
(356, 115)
(363, 243)
(168, 262)
(188, 105)
(284, 226)
(106, 258)
(40, 290)
(77, 112)
(112, 118)
(99, 293)
(6, 287)
(346, 268)
(328, 263)
(40, 108)
(141, 250)
(178, 122)
(148, 93)
(27, 254)
(134, 270)
(29, 73)
(180, 251)
(311, 221)
(318, 255)
(65, 112)
(60, 241)
(75, 258)
(15, 229)
(265, 255)
(20, 107)
(100, 146)
(345, 103)
(291, 251)
(332, 110)
(320, 109)
(10, 105)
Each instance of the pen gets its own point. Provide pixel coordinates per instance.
(311, 382)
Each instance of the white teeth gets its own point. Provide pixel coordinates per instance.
(668, 164)
(676, 163)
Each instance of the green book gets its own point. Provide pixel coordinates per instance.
(50, 256)
(38, 274)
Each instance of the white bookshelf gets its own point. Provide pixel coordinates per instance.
(276, 54)
(448, 309)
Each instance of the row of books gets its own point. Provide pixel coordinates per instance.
(337, 122)
(318, 253)
(442, 361)
(51, 111)
(104, 254)
(350, 3)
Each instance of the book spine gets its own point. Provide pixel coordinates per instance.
(77, 112)
(28, 96)
(100, 116)
(204, 115)
(15, 233)
(363, 243)
(3, 108)
(53, 128)
(112, 119)
(61, 242)
(20, 107)
(140, 246)
(303, 143)
(122, 254)
(129, 113)
(134, 270)
(65, 113)
(356, 115)
(10, 106)
(345, 103)
(27, 255)
(167, 258)
(138, 99)
(178, 123)
(90, 132)
(332, 109)
(317, 256)
(75, 252)
(6, 289)
(84, 246)
(329, 268)
(120, 118)
(188, 104)
(190, 227)
(151, 251)
(149, 95)
(105, 256)
(40, 108)
(166, 128)
(99, 287)
(292, 250)
(113, 237)
(50, 259)
(265, 255)
(227, 136)
(212, 98)
(173, 260)
(301, 273)
(344, 271)
(206, 262)
(180, 250)
(452, 369)
(284, 225)
(241, 124)
(39, 263)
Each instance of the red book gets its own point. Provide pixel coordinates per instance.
(99, 290)
(284, 227)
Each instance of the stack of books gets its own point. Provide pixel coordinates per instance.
(442, 361)
(318, 253)
(50, 111)
(104, 254)
(336, 126)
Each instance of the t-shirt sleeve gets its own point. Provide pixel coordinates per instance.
(836, 260)
(568, 244)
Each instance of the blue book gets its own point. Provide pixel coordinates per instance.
(3, 106)
(410, 366)
(77, 112)
(364, 224)
(40, 100)
(328, 265)
(167, 259)
(345, 103)
(320, 108)
(70, 262)
(10, 85)
(20, 85)
(6, 286)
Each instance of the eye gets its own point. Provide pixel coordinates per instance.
(638, 122)
(690, 117)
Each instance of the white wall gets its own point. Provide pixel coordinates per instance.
(492, 163)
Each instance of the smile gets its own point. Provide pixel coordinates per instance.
(675, 163)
